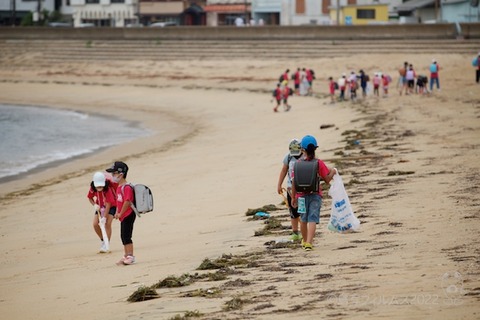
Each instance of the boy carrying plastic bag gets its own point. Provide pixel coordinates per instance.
(342, 218)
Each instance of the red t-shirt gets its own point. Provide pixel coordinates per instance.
(286, 92)
(332, 87)
(102, 197)
(124, 193)
(322, 172)
(385, 81)
(278, 94)
(297, 78)
(309, 75)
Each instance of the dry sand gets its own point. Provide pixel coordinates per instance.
(217, 151)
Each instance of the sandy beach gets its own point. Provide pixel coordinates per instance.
(215, 152)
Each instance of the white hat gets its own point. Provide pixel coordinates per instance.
(99, 179)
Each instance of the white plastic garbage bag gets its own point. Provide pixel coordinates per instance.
(342, 217)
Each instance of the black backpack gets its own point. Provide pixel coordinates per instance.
(306, 177)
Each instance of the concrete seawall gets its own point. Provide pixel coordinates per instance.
(386, 32)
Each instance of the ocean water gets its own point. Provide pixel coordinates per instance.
(31, 137)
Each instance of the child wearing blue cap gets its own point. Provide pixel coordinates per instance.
(309, 201)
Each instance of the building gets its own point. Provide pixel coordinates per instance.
(104, 13)
(228, 12)
(460, 11)
(360, 14)
(172, 12)
(13, 11)
(418, 11)
(323, 12)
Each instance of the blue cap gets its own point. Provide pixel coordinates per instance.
(308, 140)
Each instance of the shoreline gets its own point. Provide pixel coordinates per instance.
(45, 174)
(55, 163)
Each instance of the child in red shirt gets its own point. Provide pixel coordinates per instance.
(124, 213)
(376, 84)
(102, 196)
(286, 93)
(385, 83)
(277, 93)
(331, 88)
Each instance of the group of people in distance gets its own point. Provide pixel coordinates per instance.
(302, 86)
(409, 83)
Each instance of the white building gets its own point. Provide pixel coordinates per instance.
(113, 13)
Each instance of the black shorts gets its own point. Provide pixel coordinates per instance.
(411, 83)
(126, 228)
(293, 211)
(111, 212)
(297, 85)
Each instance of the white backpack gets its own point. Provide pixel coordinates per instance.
(143, 199)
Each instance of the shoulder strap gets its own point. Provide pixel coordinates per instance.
(131, 203)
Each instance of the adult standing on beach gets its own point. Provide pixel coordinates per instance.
(308, 204)
(304, 86)
(434, 70)
(363, 82)
(101, 195)
(310, 75)
(289, 160)
(403, 78)
(124, 213)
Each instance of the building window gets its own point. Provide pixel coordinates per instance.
(92, 1)
(117, 1)
(300, 6)
(366, 14)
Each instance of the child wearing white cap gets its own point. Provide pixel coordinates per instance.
(101, 195)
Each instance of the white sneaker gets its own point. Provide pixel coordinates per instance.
(103, 248)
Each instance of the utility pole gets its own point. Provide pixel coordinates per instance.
(338, 12)
(39, 6)
(14, 12)
(246, 12)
